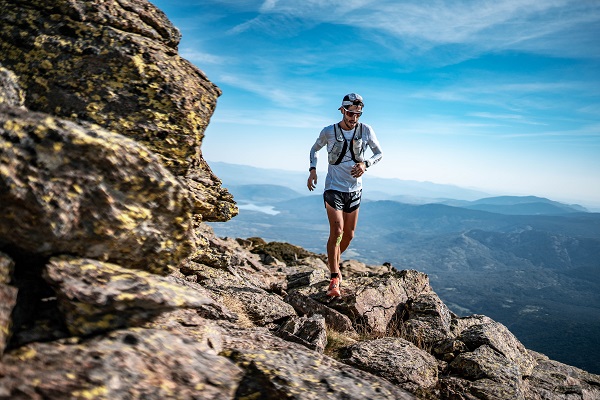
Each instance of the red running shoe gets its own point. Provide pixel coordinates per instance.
(334, 288)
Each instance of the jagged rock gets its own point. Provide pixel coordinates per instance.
(224, 253)
(138, 363)
(428, 319)
(413, 282)
(210, 310)
(493, 375)
(459, 324)
(115, 63)
(397, 360)
(276, 369)
(304, 304)
(455, 388)
(373, 301)
(498, 337)
(96, 296)
(189, 323)
(307, 331)
(354, 268)
(81, 190)
(557, 381)
(8, 300)
(306, 278)
(448, 349)
(11, 93)
(263, 308)
(7, 266)
(280, 251)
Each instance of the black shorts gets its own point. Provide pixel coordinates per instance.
(345, 201)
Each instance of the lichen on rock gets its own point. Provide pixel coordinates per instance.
(115, 63)
(79, 189)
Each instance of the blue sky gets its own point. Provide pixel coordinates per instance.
(502, 96)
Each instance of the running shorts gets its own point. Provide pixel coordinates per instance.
(345, 201)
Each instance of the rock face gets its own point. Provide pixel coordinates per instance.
(115, 63)
(102, 194)
(79, 189)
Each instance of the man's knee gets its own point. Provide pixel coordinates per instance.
(349, 235)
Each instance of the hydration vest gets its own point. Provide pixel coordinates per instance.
(340, 147)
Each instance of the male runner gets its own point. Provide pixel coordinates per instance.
(346, 144)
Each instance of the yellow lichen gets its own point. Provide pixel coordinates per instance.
(26, 353)
(93, 393)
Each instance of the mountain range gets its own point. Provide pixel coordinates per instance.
(529, 262)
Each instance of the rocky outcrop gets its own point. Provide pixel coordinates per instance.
(111, 287)
(76, 188)
(115, 63)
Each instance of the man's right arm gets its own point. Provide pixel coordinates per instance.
(314, 150)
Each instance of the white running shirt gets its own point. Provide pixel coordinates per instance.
(338, 176)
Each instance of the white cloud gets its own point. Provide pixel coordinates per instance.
(290, 95)
(530, 25)
(200, 58)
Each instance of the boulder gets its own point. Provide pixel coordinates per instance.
(81, 190)
(11, 93)
(140, 363)
(306, 278)
(277, 369)
(7, 266)
(115, 63)
(306, 305)
(493, 375)
(188, 323)
(427, 319)
(354, 268)
(554, 380)
(498, 337)
(263, 308)
(95, 296)
(395, 359)
(310, 332)
(211, 310)
(459, 324)
(8, 300)
(373, 301)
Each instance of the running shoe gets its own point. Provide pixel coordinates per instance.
(334, 288)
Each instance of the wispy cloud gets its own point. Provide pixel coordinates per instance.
(591, 131)
(271, 118)
(483, 25)
(291, 95)
(201, 58)
(506, 117)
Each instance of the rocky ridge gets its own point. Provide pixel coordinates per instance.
(111, 286)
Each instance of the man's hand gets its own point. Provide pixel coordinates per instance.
(358, 169)
(312, 180)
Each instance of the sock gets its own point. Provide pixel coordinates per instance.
(335, 275)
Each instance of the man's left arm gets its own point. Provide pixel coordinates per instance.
(375, 148)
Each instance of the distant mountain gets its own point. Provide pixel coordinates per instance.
(378, 188)
(518, 205)
(263, 182)
(267, 194)
(523, 205)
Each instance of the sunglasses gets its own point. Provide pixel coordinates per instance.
(352, 113)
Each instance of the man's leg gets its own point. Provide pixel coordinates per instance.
(348, 227)
(336, 231)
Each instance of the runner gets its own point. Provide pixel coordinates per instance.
(346, 144)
